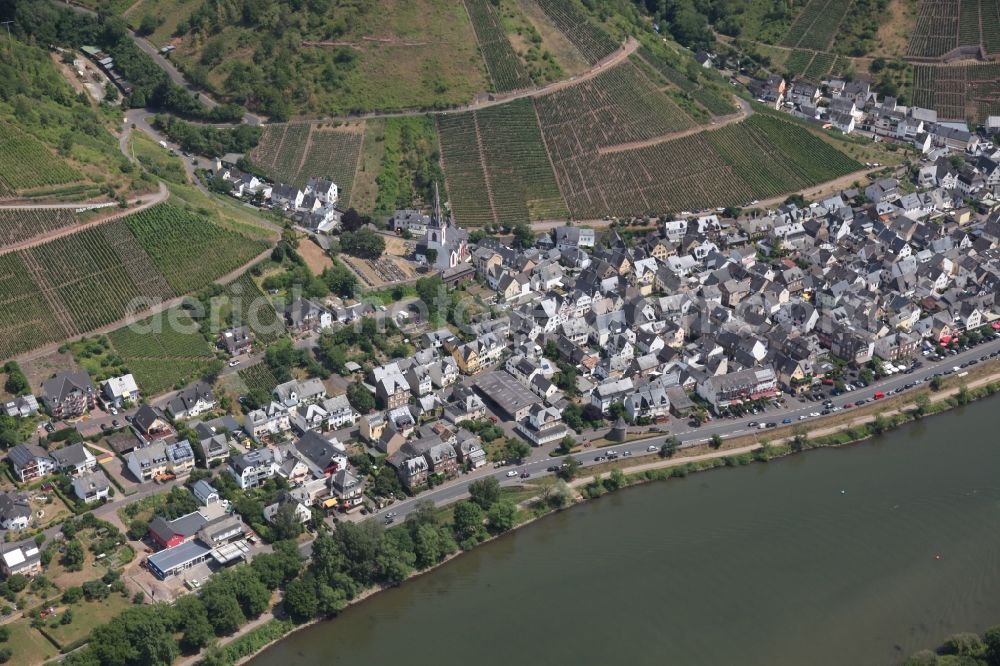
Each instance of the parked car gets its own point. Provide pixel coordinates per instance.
(511, 473)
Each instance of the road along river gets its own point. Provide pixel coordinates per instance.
(858, 555)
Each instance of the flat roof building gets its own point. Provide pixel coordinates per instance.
(510, 396)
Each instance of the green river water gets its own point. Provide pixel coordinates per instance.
(859, 555)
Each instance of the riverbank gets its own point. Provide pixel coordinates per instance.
(871, 420)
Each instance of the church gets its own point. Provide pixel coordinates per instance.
(444, 246)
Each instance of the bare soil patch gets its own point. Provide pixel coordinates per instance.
(314, 256)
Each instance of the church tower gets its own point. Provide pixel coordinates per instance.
(437, 230)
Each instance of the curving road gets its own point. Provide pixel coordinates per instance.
(540, 460)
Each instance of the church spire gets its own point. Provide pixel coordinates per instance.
(436, 219)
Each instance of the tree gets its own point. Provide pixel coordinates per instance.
(363, 243)
(192, 622)
(432, 255)
(566, 444)
(879, 425)
(992, 641)
(669, 447)
(715, 442)
(431, 544)
(223, 609)
(963, 397)
(485, 492)
(866, 375)
(468, 524)
(501, 516)
(285, 524)
(301, 601)
(923, 404)
(936, 383)
(524, 237)
(74, 556)
(517, 449)
(360, 398)
(569, 468)
(615, 480)
(16, 383)
(139, 636)
(351, 220)
(279, 567)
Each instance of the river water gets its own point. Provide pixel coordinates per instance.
(859, 555)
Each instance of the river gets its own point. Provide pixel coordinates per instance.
(859, 555)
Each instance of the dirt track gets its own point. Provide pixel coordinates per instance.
(144, 202)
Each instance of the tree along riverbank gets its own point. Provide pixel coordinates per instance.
(547, 496)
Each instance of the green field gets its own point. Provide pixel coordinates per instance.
(816, 25)
(958, 92)
(293, 153)
(188, 248)
(463, 169)
(330, 58)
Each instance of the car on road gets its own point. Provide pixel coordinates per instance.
(552, 468)
(49, 427)
(752, 424)
(235, 362)
(525, 474)
(786, 421)
(879, 395)
(814, 414)
(651, 448)
(626, 454)
(599, 458)
(803, 417)
(511, 474)
(116, 424)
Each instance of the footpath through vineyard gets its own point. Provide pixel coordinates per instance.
(138, 204)
(744, 112)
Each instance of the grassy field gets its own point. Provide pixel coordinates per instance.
(155, 159)
(86, 616)
(366, 189)
(54, 144)
(294, 153)
(382, 55)
(29, 646)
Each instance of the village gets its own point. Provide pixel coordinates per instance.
(663, 332)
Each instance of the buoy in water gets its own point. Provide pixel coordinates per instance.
(843, 492)
(937, 557)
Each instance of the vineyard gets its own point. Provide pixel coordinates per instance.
(21, 224)
(798, 62)
(95, 277)
(521, 179)
(258, 378)
(26, 320)
(162, 351)
(293, 153)
(25, 163)
(761, 157)
(249, 307)
(590, 40)
(617, 106)
(463, 169)
(820, 66)
(957, 92)
(817, 24)
(187, 248)
(944, 25)
(502, 62)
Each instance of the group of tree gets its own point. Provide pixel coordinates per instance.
(365, 243)
(967, 649)
(205, 139)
